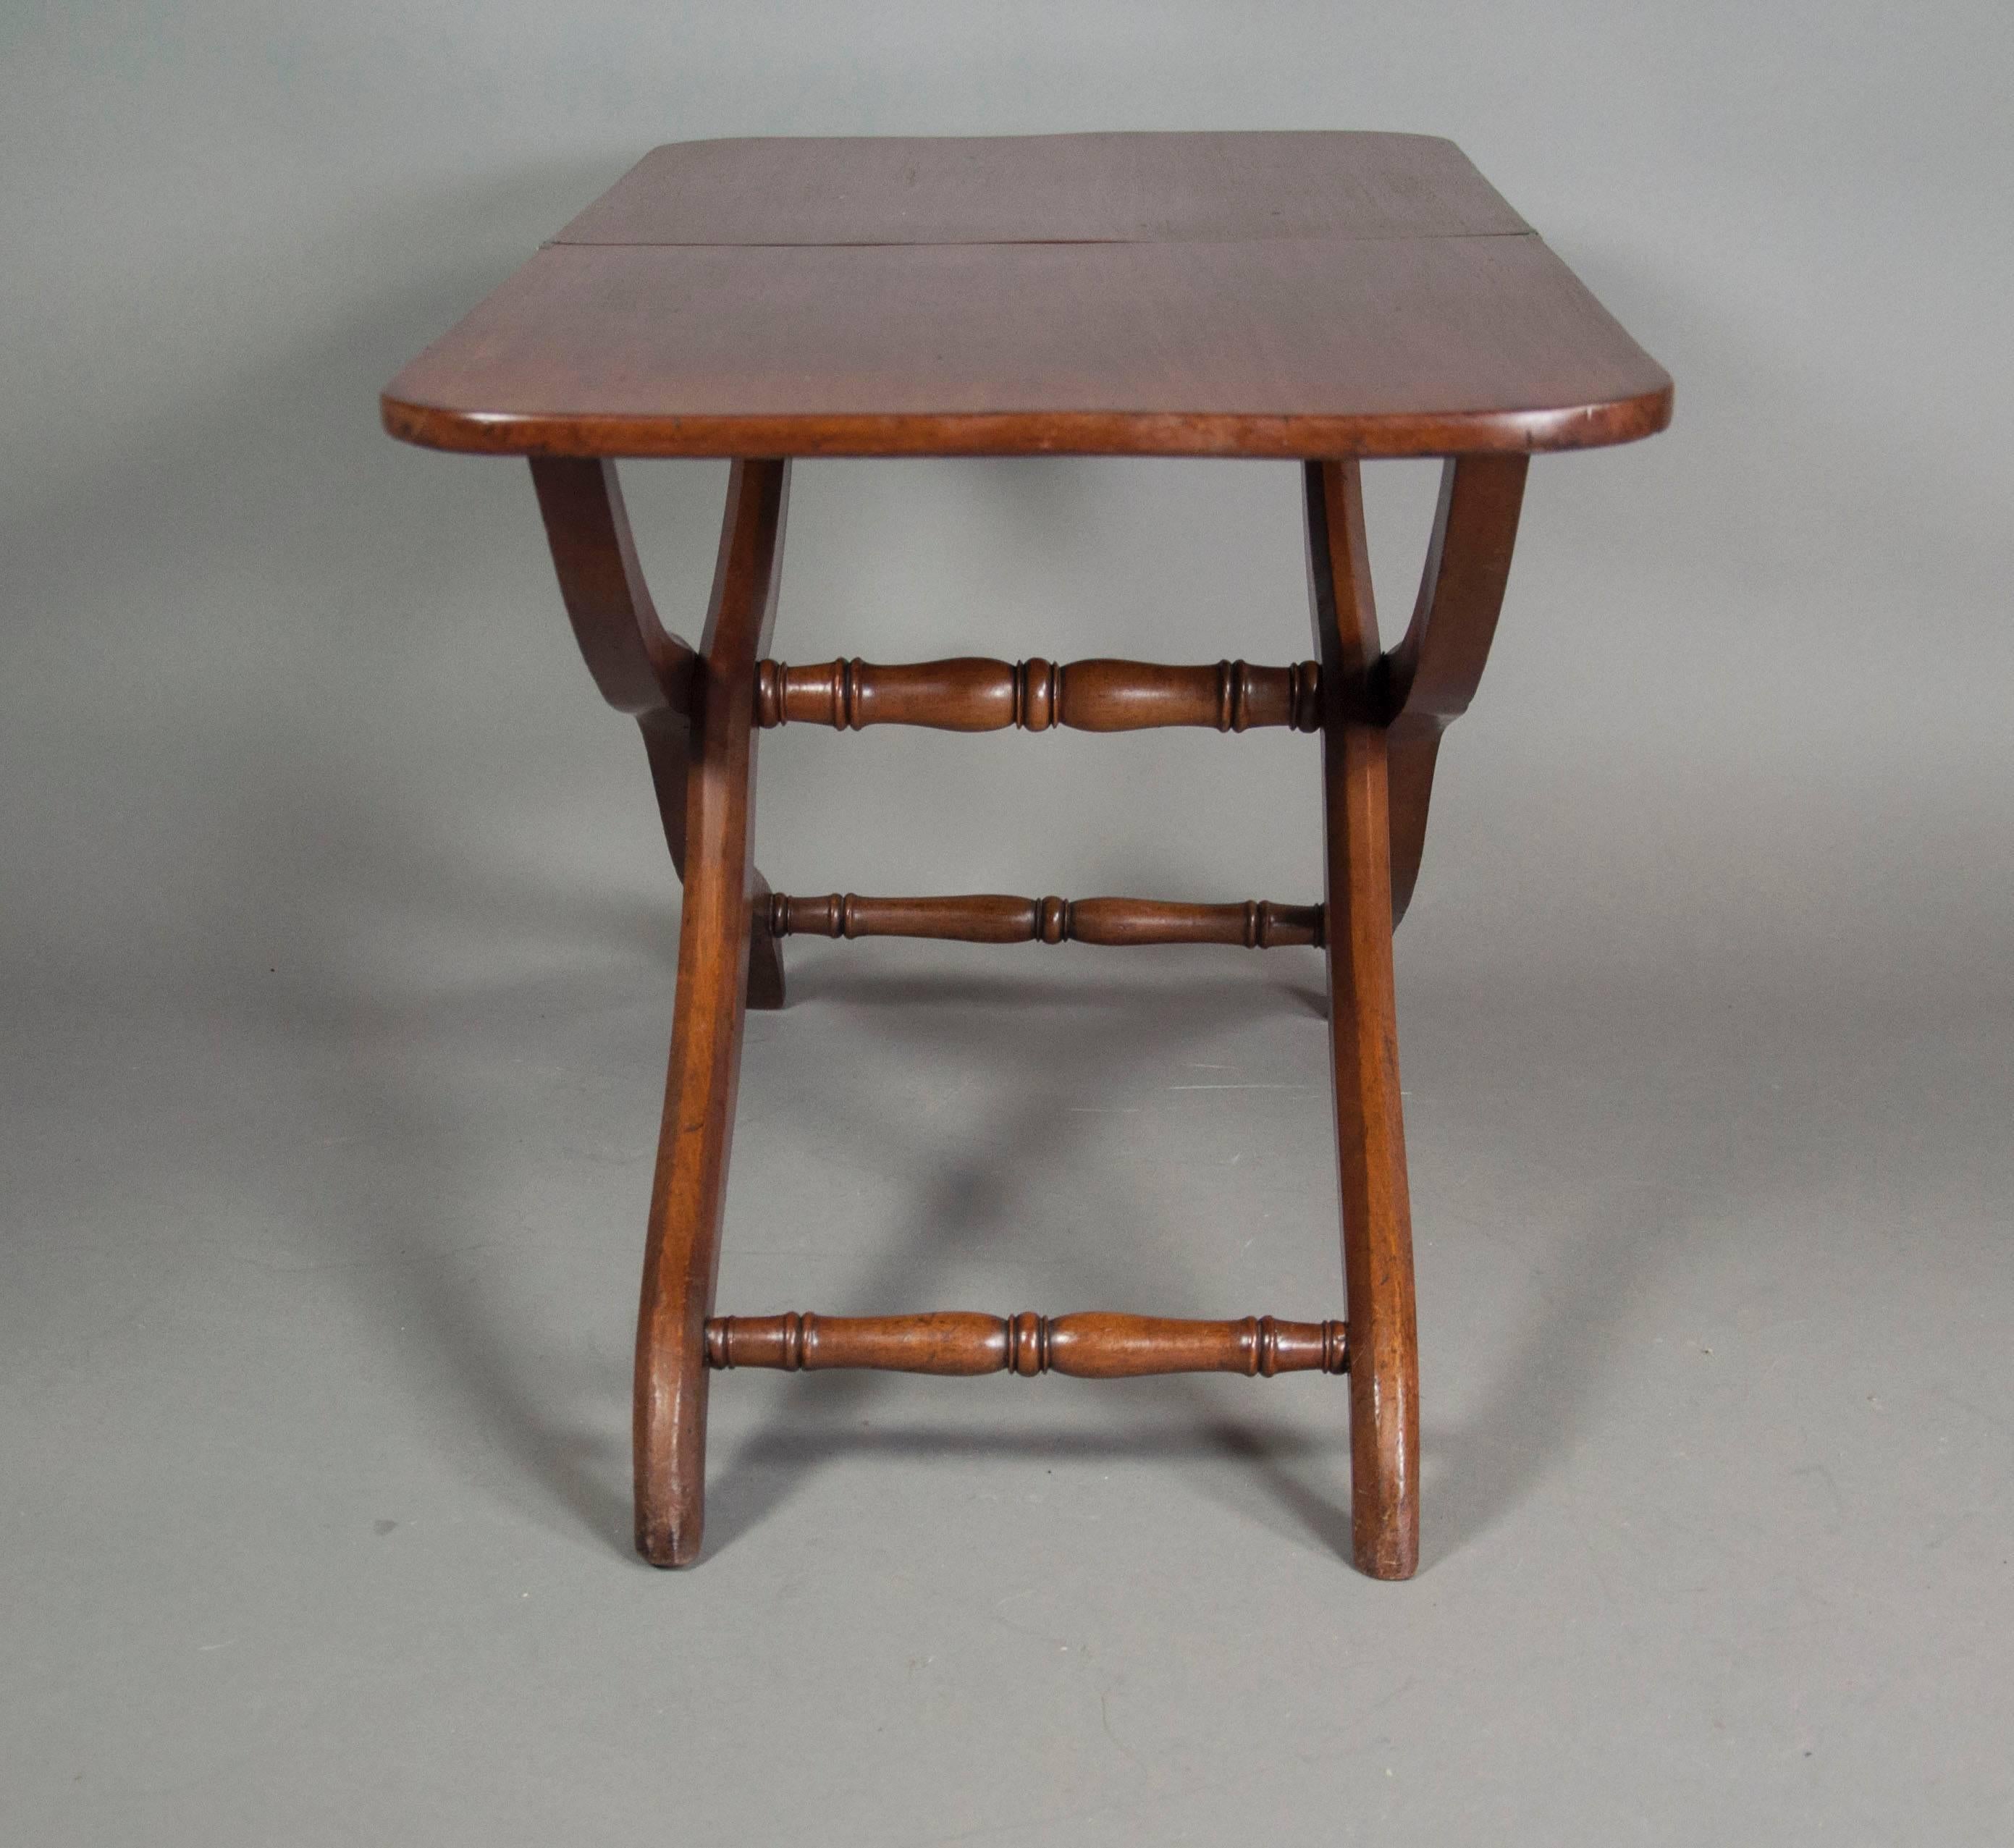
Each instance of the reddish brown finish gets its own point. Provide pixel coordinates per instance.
(993, 918)
(1300, 295)
(1429, 678)
(682, 1257)
(1047, 189)
(953, 349)
(976, 695)
(1156, 294)
(639, 667)
(1370, 1138)
(1095, 1345)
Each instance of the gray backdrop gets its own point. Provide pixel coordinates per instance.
(337, 942)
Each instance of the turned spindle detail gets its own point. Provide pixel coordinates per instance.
(1091, 1346)
(976, 695)
(994, 918)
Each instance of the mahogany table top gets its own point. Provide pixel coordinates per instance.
(1281, 294)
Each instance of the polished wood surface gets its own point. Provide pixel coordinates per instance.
(639, 666)
(1158, 295)
(1093, 1345)
(1426, 682)
(1321, 295)
(1363, 1036)
(1140, 189)
(976, 695)
(682, 1253)
(994, 918)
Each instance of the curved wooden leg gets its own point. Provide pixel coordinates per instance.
(1426, 682)
(639, 666)
(697, 712)
(1370, 1139)
(682, 1258)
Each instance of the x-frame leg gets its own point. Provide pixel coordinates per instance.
(1381, 717)
(638, 666)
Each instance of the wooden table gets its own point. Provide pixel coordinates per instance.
(1325, 297)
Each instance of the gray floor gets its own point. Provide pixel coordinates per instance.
(316, 1331)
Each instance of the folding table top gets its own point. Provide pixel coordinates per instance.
(1283, 295)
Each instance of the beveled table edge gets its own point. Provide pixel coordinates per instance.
(1276, 436)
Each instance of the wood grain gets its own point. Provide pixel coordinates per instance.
(1285, 349)
(1137, 189)
(1385, 303)
(1326, 295)
(638, 666)
(681, 1255)
(1371, 1140)
(1426, 682)
(1092, 1345)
